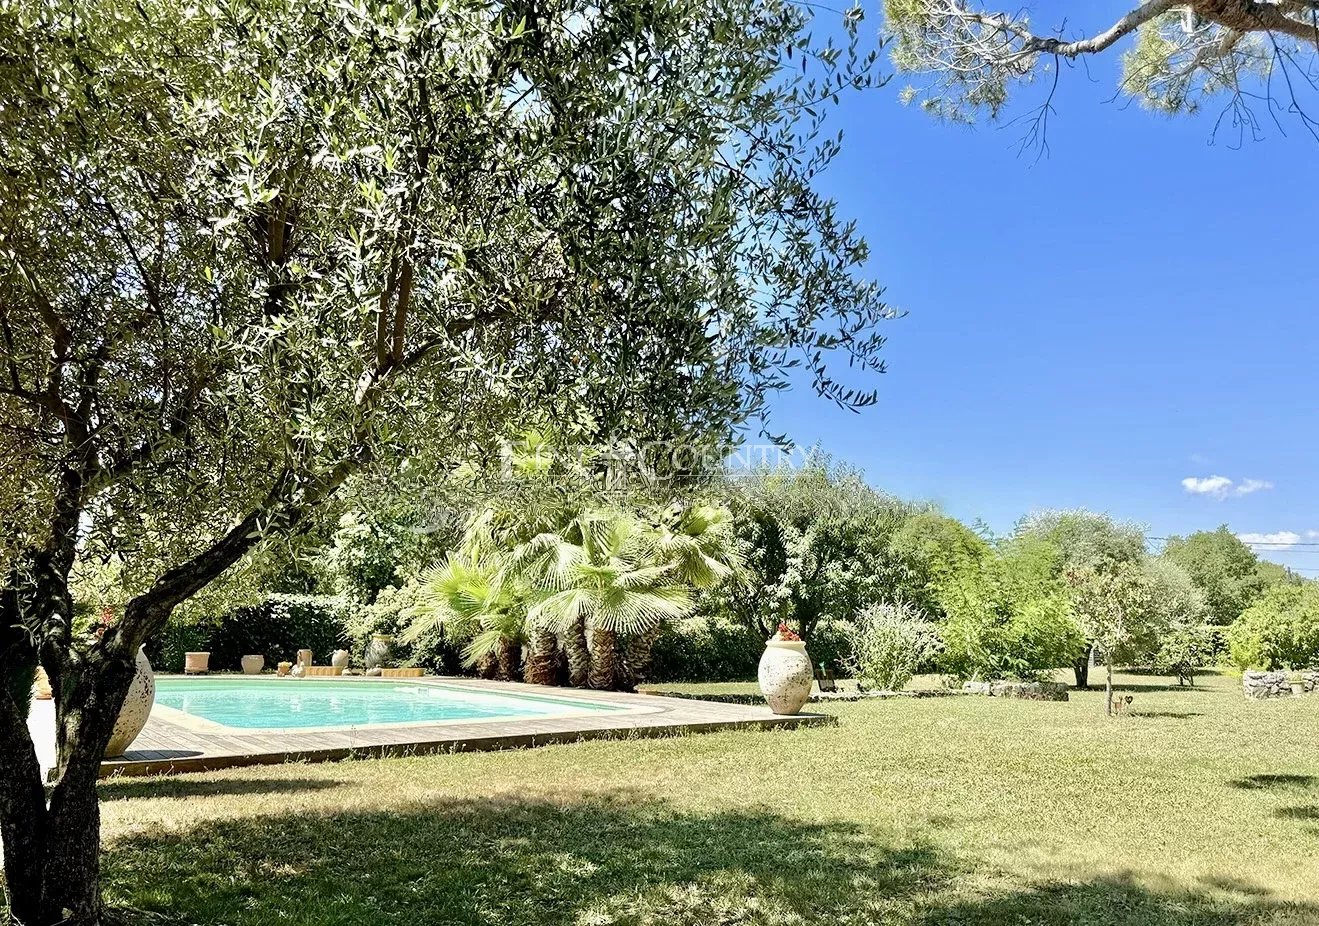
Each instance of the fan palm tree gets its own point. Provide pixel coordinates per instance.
(600, 576)
(468, 596)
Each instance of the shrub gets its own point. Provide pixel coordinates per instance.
(1009, 616)
(890, 643)
(391, 614)
(1280, 630)
(1184, 649)
(276, 628)
(705, 648)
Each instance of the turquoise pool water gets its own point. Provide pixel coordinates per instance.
(282, 704)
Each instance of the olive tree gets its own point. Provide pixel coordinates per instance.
(1176, 55)
(250, 248)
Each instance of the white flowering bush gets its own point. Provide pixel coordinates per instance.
(890, 643)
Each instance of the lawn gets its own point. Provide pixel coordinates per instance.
(1199, 808)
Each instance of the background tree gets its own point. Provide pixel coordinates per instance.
(1085, 540)
(1279, 630)
(1186, 642)
(1227, 572)
(1178, 55)
(818, 545)
(1010, 615)
(253, 248)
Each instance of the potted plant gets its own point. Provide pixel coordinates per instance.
(196, 663)
(785, 672)
(252, 665)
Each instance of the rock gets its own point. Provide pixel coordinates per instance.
(977, 687)
(374, 672)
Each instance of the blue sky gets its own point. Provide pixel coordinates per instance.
(1089, 329)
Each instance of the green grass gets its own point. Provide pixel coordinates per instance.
(1197, 809)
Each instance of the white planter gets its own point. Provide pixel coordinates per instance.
(785, 675)
(252, 665)
(340, 659)
(137, 707)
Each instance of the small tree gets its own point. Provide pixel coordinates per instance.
(890, 643)
(1114, 609)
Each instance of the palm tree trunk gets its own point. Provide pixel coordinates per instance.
(510, 661)
(604, 659)
(488, 667)
(638, 651)
(543, 659)
(579, 655)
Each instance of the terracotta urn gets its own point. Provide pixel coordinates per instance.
(196, 663)
(137, 707)
(340, 659)
(785, 675)
(304, 657)
(252, 665)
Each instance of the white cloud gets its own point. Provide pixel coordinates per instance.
(1311, 535)
(1207, 485)
(1277, 540)
(1222, 487)
(1216, 486)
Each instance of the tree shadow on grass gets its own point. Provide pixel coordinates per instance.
(614, 860)
(1120, 901)
(1167, 715)
(1309, 812)
(1277, 782)
(122, 789)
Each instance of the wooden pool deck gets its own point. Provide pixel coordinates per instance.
(170, 744)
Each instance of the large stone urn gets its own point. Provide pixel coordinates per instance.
(340, 659)
(252, 665)
(785, 675)
(379, 651)
(137, 707)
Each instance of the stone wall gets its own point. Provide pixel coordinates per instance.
(1029, 691)
(1261, 685)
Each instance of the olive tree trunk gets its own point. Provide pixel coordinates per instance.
(52, 851)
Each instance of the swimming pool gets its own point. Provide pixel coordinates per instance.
(288, 704)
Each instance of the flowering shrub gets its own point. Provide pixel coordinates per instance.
(890, 643)
(786, 634)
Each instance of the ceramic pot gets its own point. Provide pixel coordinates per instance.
(785, 675)
(340, 659)
(196, 663)
(304, 657)
(283, 668)
(137, 707)
(252, 665)
(379, 651)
